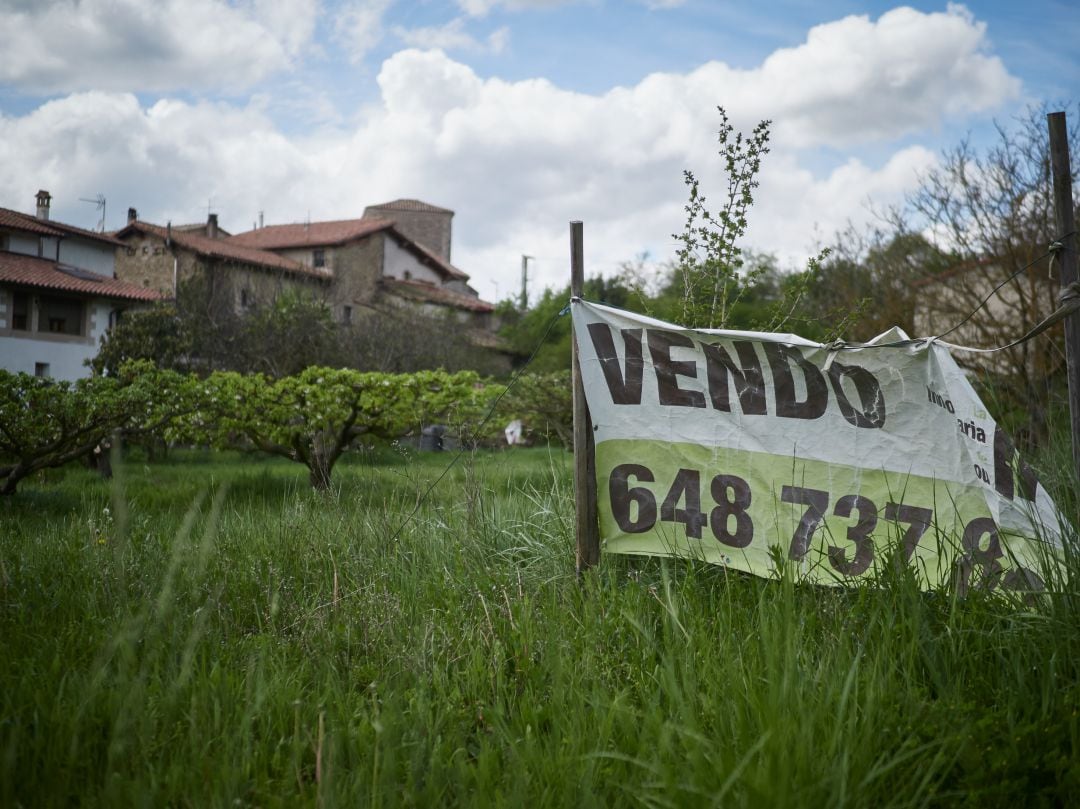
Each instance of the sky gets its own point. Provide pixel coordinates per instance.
(519, 115)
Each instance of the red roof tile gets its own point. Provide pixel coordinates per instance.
(197, 226)
(309, 234)
(19, 221)
(342, 231)
(47, 227)
(414, 205)
(227, 249)
(418, 290)
(31, 271)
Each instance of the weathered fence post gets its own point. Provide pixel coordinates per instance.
(1066, 234)
(587, 531)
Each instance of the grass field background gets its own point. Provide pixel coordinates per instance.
(207, 631)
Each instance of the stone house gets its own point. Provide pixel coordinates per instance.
(375, 263)
(165, 258)
(59, 293)
(427, 225)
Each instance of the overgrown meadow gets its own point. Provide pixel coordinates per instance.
(206, 630)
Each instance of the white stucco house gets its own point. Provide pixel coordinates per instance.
(58, 293)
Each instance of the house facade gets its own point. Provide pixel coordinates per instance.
(59, 293)
(375, 264)
(427, 225)
(165, 258)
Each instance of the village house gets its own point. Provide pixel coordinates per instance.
(239, 277)
(396, 255)
(59, 293)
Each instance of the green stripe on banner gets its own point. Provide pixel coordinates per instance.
(830, 523)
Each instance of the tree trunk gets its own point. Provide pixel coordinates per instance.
(12, 478)
(321, 461)
(319, 473)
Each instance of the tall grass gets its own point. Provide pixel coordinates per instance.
(209, 632)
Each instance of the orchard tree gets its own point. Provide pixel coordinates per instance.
(313, 417)
(46, 423)
(544, 403)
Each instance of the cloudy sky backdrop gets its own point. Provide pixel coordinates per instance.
(520, 115)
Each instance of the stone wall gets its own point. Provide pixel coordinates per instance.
(145, 261)
(356, 269)
(429, 228)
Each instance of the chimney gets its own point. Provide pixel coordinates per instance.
(211, 225)
(260, 219)
(132, 215)
(43, 200)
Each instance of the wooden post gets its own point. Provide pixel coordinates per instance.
(1066, 233)
(587, 529)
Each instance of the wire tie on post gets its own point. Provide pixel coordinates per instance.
(1055, 247)
(1069, 294)
(834, 348)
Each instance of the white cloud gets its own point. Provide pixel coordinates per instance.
(479, 8)
(518, 160)
(855, 80)
(152, 45)
(452, 36)
(292, 22)
(167, 160)
(359, 26)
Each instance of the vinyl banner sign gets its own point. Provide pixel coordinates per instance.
(757, 451)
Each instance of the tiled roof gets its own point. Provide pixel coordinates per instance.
(71, 230)
(197, 226)
(309, 234)
(31, 271)
(414, 205)
(47, 227)
(429, 293)
(227, 249)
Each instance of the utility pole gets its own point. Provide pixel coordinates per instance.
(525, 282)
(1066, 234)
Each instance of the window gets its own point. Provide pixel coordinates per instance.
(41, 369)
(346, 315)
(245, 299)
(60, 315)
(20, 312)
(318, 258)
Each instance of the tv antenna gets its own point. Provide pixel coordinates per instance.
(99, 204)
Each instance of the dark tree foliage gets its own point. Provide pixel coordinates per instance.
(293, 332)
(524, 332)
(158, 334)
